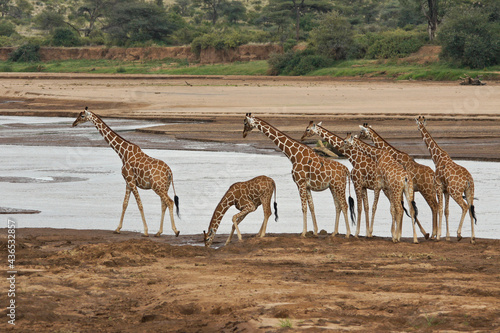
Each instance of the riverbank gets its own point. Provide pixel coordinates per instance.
(93, 280)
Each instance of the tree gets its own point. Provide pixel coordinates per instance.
(297, 8)
(471, 35)
(234, 11)
(333, 36)
(92, 11)
(132, 21)
(212, 8)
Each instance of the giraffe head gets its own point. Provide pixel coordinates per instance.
(365, 131)
(208, 238)
(348, 141)
(420, 121)
(311, 130)
(249, 124)
(82, 117)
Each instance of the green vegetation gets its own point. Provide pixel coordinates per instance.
(332, 32)
(286, 323)
(344, 68)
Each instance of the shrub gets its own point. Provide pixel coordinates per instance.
(471, 37)
(394, 44)
(297, 63)
(6, 28)
(219, 40)
(26, 53)
(333, 36)
(65, 37)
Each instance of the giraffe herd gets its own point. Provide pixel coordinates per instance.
(379, 168)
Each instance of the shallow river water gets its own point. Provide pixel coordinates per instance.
(82, 188)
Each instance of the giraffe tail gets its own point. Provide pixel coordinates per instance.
(275, 205)
(176, 199)
(473, 212)
(351, 202)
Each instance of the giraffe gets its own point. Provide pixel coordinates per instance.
(246, 197)
(364, 174)
(139, 171)
(451, 179)
(395, 180)
(421, 175)
(310, 172)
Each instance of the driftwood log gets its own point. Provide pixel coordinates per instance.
(321, 148)
(468, 81)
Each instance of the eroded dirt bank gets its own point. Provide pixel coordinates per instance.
(83, 281)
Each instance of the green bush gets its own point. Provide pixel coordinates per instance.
(219, 40)
(297, 63)
(6, 28)
(26, 53)
(394, 44)
(65, 37)
(471, 37)
(333, 37)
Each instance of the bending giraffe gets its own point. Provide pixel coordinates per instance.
(364, 174)
(396, 181)
(139, 171)
(451, 179)
(310, 172)
(246, 197)
(421, 175)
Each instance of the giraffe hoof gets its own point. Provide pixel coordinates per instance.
(459, 238)
(116, 231)
(145, 235)
(158, 234)
(177, 234)
(426, 236)
(473, 240)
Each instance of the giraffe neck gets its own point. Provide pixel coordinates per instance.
(114, 140)
(438, 155)
(373, 152)
(351, 153)
(286, 144)
(219, 212)
(380, 142)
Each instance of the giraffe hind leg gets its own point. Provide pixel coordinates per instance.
(266, 207)
(167, 202)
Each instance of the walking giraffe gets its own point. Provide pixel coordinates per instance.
(364, 174)
(396, 181)
(246, 197)
(309, 171)
(421, 175)
(139, 171)
(451, 179)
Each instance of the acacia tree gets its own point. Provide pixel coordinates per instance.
(297, 8)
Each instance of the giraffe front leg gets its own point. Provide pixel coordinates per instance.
(303, 201)
(313, 215)
(374, 210)
(125, 205)
(237, 219)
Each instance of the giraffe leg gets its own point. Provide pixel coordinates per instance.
(447, 214)
(303, 201)
(374, 210)
(266, 207)
(125, 205)
(394, 223)
(340, 205)
(360, 196)
(166, 202)
(465, 207)
(311, 208)
(440, 194)
(237, 219)
(469, 196)
(139, 205)
(366, 208)
(430, 198)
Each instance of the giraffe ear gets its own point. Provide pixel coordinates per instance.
(319, 124)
